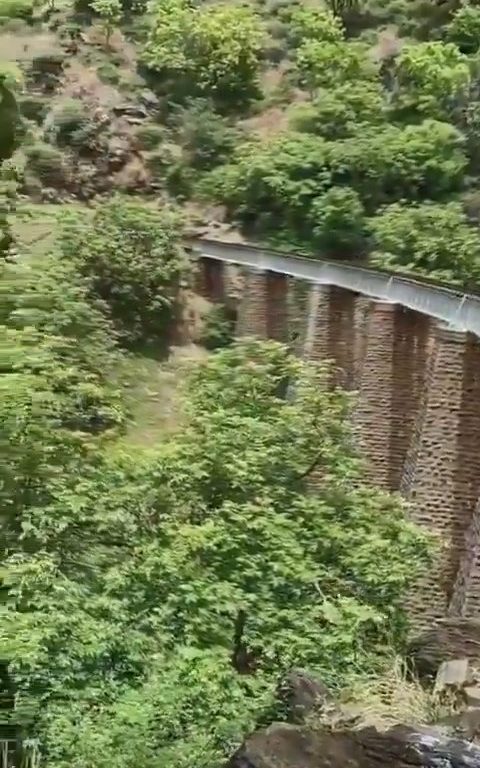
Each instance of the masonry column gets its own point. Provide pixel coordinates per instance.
(372, 417)
(277, 306)
(330, 332)
(444, 469)
(253, 306)
(211, 279)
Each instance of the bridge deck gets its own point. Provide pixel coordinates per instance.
(458, 309)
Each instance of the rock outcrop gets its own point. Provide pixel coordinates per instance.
(290, 746)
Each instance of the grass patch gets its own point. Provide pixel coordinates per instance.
(35, 226)
(152, 394)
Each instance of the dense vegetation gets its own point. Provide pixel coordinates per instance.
(329, 127)
(153, 595)
(153, 599)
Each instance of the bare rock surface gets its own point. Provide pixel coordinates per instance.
(290, 746)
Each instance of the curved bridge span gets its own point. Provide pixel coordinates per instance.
(410, 348)
(461, 310)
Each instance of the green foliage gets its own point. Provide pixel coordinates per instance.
(430, 239)
(150, 135)
(69, 118)
(432, 79)
(340, 111)
(338, 219)
(327, 65)
(211, 50)
(464, 29)
(273, 185)
(46, 162)
(206, 137)
(131, 258)
(33, 108)
(310, 23)
(16, 9)
(8, 114)
(123, 610)
(218, 328)
(110, 12)
(192, 711)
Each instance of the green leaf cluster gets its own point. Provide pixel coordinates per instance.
(132, 570)
(210, 50)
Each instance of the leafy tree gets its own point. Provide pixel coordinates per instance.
(206, 137)
(272, 185)
(326, 65)
(432, 79)
(310, 23)
(152, 583)
(340, 112)
(338, 219)
(131, 258)
(464, 29)
(430, 239)
(110, 12)
(212, 50)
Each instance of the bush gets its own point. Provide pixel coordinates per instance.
(338, 219)
(131, 257)
(464, 29)
(68, 118)
(16, 9)
(431, 239)
(33, 108)
(210, 50)
(218, 328)
(108, 73)
(46, 163)
(205, 136)
(339, 112)
(150, 135)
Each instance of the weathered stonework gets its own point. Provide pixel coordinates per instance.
(444, 466)
(373, 412)
(252, 311)
(330, 334)
(277, 306)
(211, 280)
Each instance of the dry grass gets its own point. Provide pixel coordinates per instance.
(395, 697)
(23, 45)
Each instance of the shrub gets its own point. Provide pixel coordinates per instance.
(218, 328)
(430, 239)
(33, 108)
(464, 29)
(108, 73)
(205, 136)
(132, 260)
(210, 50)
(16, 9)
(338, 219)
(150, 135)
(45, 162)
(68, 118)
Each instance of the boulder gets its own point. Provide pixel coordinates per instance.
(453, 675)
(302, 694)
(450, 638)
(290, 746)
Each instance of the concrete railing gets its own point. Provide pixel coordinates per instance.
(457, 309)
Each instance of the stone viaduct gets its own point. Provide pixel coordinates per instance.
(411, 350)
